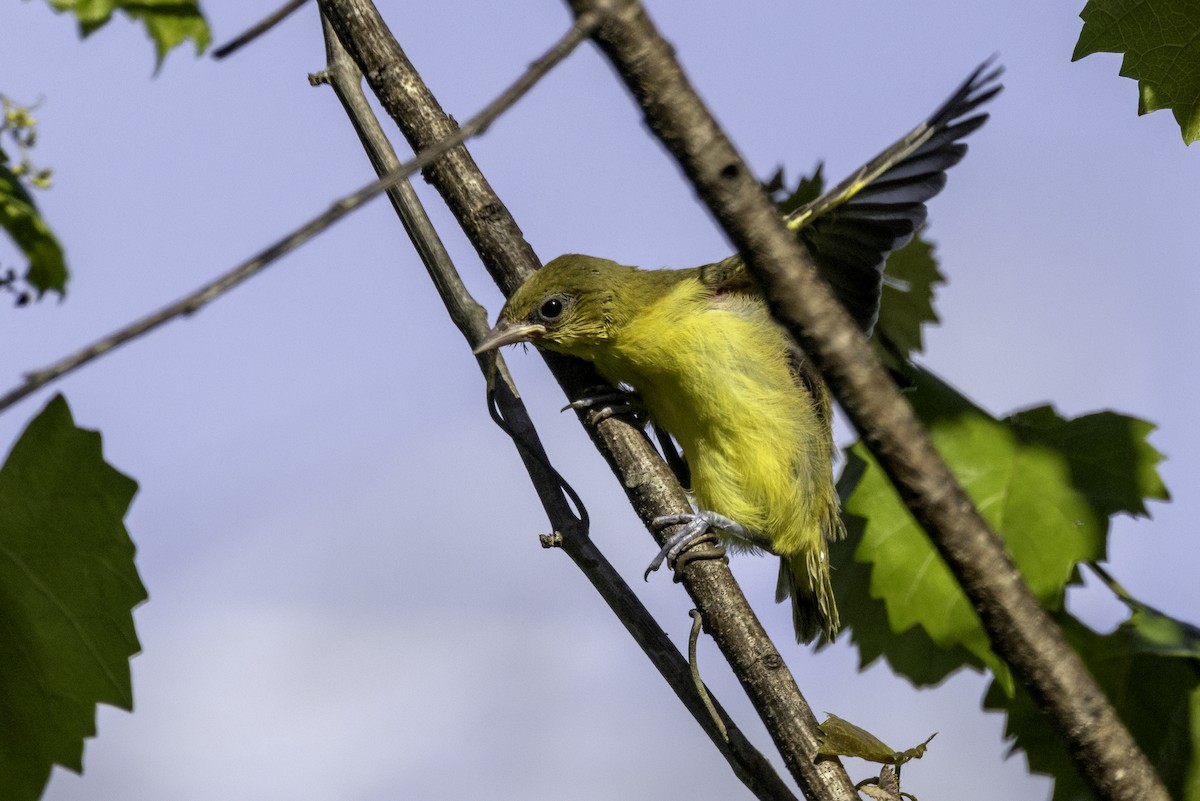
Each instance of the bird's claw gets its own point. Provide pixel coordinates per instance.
(606, 402)
(695, 528)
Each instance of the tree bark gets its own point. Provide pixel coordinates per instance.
(649, 483)
(1019, 629)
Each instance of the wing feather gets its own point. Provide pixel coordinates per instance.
(852, 229)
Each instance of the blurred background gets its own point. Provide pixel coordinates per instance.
(347, 595)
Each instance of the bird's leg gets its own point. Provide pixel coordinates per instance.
(696, 527)
(673, 457)
(605, 401)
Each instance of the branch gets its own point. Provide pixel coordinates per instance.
(192, 303)
(270, 21)
(649, 483)
(1020, 631)
(750, 765)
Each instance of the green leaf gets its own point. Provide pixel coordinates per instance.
(168, 22)
(1156, 694)
(1047, 485)
(67, 585)
(1159, 41)
(19, 216)
(910, 653)
(909, 280)
(840, 737)
(808, 188)
(1162, 634)
(1109, 456)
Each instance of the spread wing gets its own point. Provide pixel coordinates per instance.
(851, 229)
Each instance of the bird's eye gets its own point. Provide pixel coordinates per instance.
(551, 309)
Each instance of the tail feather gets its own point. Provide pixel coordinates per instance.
(805, 579)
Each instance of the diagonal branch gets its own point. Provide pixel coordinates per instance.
(1020, 630)
(750, 765)
(649, 483)
(191, 303)
(258, 29)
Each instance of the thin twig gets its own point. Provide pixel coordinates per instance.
(1115, 586)
(192, 303)
(650, 485)
(1020, 631)
(510, 413)
(343, 77)
(274, 18)
(694, 667)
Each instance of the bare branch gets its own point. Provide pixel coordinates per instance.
(573, 536)
(344, 78)
(192, 303)
(649, 483)
(270, 21)
(1020, 631)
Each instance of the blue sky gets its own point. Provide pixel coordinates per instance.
(347, 597)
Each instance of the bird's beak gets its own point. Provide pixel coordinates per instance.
(507, 332)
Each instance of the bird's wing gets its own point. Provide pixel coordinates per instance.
(851, 229)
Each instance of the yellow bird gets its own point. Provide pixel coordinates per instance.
(701, 350)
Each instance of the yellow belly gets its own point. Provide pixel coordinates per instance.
(717, 376)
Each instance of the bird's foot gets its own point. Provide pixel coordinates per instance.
(605, 402)
(695, 528)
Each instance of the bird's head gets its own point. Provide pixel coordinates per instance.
(567, 306)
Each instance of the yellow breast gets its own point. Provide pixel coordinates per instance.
(715, 373)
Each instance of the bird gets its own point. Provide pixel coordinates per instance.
(699, 348)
